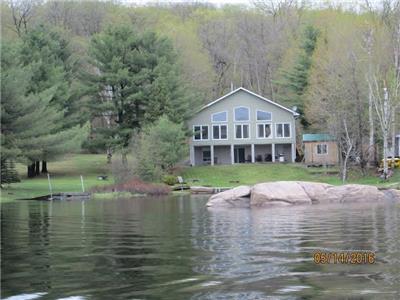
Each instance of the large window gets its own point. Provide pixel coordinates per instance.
(264, 130)
(283, 130)
(220, 117)
(200, 132)
(220, 132)
(322, 149)
(263, 115)
(242, 131)
(242, 114)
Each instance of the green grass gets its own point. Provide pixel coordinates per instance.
(65, 177)
(248, 174)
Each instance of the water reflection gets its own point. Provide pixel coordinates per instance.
(176, 248)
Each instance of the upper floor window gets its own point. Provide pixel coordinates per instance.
(264, 130)
(322, 149)
(220, 132)
(242, 114)
(283, 130)
(220, 117)
(242, 131)
(200, 132)
(263, 115)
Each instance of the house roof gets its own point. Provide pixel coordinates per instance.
(317, 137)
(254, 94)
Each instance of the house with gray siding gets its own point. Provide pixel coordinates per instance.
(242, 127)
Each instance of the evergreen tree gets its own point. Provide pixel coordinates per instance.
(30, 124)
(8, 172)
(136, 80)
(47, 54)
(294, 82)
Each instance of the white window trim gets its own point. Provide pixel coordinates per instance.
(212, 115)
(283, 131)
(272, 131)
(219, 125)
(242, 138)
(259, 110)
(316, 149)
(234, 115)
(201, 137)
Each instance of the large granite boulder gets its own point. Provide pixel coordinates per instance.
(285, 193)
(278, 193)
(236, 197)
(354, 193)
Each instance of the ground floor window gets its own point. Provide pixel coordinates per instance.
(242, 131)
(264, 130)
(200, 132)
(283, 130)
(220, 132)
(322, 149)
(206, 155)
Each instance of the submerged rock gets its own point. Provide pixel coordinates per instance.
(285, 193)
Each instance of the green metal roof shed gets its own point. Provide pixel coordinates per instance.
(317, 137)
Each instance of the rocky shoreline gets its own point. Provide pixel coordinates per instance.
(286, 193)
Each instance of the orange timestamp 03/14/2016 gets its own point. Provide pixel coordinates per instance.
(344, 257)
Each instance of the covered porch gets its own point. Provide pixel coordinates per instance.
(246, 153)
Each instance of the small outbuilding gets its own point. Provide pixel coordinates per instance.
(320, 149)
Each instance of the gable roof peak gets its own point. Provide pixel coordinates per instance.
(251, 93)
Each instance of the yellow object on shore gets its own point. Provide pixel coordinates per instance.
(392, 163)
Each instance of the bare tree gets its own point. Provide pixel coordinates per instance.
(385, 95)
(22, 12)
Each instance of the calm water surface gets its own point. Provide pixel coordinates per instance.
(176, 248)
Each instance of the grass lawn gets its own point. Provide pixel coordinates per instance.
(248, 174)
(65, 177)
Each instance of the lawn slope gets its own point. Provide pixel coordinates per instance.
(248, 174)
(65, 177)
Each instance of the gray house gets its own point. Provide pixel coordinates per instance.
(242, 127)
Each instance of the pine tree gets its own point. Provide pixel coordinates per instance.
(135, 81)
(48, 55)
(8, 172)
(31, 125)
(294, 82)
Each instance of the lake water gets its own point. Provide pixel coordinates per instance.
(176, 248)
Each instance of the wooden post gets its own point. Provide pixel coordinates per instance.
(273, 152)
(192, 156)
(83, 187)
(50, 187)
(212, 154)
(293, 152)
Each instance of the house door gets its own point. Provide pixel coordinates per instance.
(239, 155)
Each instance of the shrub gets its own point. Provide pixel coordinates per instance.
(158, 149)
(122, 171)
(169, 179)
(135, 186)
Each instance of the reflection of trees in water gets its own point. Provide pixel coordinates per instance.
(271, 249)
(24, 241)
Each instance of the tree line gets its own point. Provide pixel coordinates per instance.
(100, 74)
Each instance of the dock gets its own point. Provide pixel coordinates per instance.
(68, 196)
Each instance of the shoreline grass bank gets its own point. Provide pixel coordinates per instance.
(65, 176)
(250, 174)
